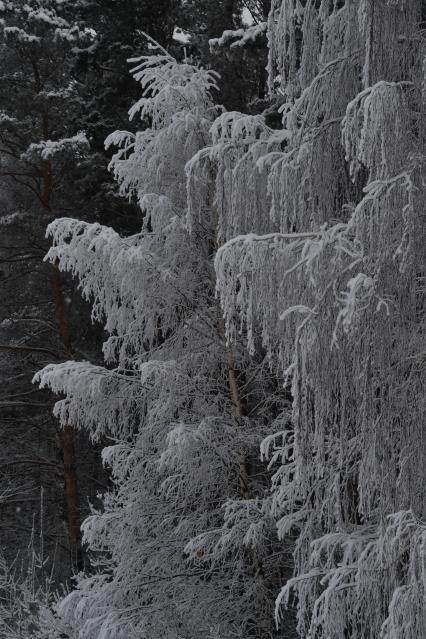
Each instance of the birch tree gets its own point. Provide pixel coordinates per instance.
(333, 289)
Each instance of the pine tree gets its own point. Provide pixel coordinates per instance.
(56, 75)
(40, 151)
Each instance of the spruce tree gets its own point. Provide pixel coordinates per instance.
(182, 544)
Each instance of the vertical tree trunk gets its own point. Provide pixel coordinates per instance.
(243, 472)
(240, 411)
(68, 447)
(73, 516)
(229, 11)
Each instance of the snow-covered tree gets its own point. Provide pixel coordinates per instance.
(41, 147)
(58, 81)
(185, 544)
(333, 288)
(316, 230)
(218, 38)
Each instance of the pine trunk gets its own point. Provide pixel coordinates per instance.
(67, 440)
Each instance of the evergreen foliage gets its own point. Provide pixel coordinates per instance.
(263, 387)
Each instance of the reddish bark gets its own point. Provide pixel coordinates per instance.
(61, 318)
(68, 447)
(71, 491)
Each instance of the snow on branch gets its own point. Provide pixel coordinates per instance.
(75, 146)
(239, 37)
(169, 87)
(226, 172)
(121, 276)
(343, 575)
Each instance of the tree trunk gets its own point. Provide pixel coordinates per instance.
(68, 447)
(240, 411)
(67, 438)
(73, 516)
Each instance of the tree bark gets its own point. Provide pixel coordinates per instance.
(67, 436)
(73, 515)
(240, 411)
(67, 439)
